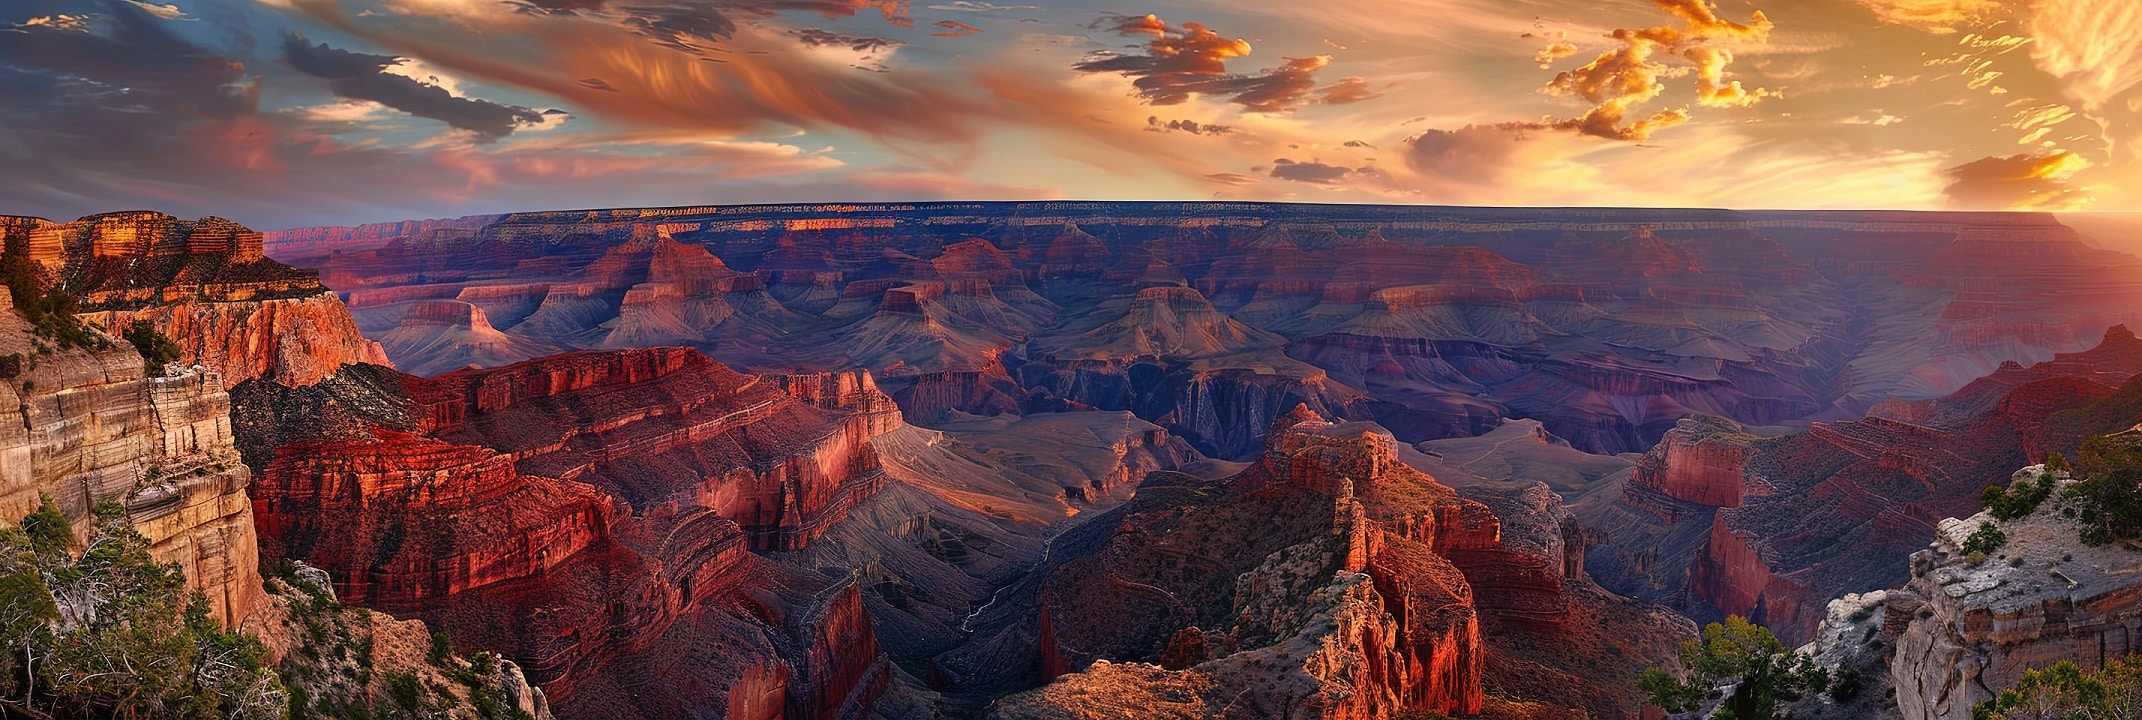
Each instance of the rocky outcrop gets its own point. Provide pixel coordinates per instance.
(339, 660)
(205, 284)
(591, 516)
(2043, 597)
(1703, 460)
(93, 427)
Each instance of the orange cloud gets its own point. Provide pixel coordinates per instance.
(2019, 182)
(654, 86)
(1179, 63)
(955, 29)
(1618, 81)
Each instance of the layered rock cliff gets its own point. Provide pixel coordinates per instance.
(94, 426)
(206, 284)
(593, 517)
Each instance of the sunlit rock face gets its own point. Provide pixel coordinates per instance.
(1727, 522)
(205, 283)
(596, 516)
(1211, 319)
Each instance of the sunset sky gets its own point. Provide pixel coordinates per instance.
(296, 112)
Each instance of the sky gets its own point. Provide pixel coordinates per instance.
(282, 113)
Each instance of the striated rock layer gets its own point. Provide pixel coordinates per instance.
(592, 516)
(95, 427)
(206, 284)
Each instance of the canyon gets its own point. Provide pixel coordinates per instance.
(1068, 460)
(1212, 319)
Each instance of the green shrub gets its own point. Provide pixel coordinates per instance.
(1986, 539)
(1761, 671)
(131, 641)
(2063, 690)
(157, 350)
(2020, 498)
(2109, 500)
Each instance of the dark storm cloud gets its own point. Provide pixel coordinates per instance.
(815, 37)
(134, 115)
(363, 76)
(1178, 63)
(695, 25)
(1315, 173)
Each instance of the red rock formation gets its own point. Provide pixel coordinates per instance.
(206, 285)
(591, 516)
(1406, 636)
(1701, 461)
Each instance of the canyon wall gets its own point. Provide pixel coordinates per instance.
(94, 427)
(1719, 521)
(592, 516)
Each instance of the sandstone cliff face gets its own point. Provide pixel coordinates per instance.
(296, 340)
(206, 284)
(94, 426)
(2042, 598)
(591, 516)
(1702, 461)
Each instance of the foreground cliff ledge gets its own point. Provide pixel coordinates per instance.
(2041, 598)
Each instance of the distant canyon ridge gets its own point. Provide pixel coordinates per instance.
(1212, 319)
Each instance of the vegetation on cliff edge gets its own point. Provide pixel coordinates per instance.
(2063, 691)
(1741, 667)
(2109, 499)
(111, 633)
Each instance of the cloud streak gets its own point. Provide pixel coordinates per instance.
(361, 76)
